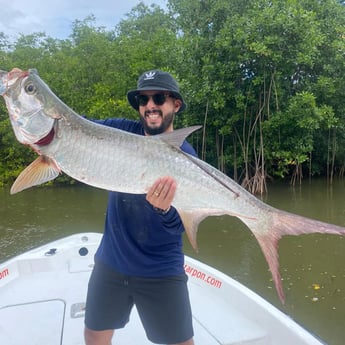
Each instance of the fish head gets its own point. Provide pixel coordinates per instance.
(25, 95)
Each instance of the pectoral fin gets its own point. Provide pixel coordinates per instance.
(41, 170)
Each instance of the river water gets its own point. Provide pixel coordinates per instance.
(312, 266)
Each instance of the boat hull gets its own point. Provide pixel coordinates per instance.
(44, 291)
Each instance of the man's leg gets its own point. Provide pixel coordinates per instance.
(108, 305)
(188, 342)
(99, 337)
(164, 309)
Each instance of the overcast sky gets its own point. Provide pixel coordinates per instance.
(55, 17)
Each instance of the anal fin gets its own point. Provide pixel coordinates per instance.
(191, 221)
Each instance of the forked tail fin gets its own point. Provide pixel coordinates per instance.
(285, 223)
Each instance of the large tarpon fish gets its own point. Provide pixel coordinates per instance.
(115, 160)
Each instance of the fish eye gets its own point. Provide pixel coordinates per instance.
(30, 88)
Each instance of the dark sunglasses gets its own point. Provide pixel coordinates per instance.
(158, 98)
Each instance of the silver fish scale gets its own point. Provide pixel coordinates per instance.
(111, 159)
(115, 160)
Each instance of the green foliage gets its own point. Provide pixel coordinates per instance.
(13, 156)
(266, 78)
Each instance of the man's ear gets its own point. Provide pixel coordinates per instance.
(178, 104)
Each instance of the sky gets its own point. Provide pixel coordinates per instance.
(55, 17)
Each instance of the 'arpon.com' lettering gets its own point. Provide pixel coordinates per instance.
(193, 272)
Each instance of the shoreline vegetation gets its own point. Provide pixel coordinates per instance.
(265, 79)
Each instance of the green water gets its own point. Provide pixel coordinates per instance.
(312, 266)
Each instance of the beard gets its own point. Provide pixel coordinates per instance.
(167, 121)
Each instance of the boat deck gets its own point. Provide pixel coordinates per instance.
(44, 292)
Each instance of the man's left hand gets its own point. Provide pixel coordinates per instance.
(162, 193)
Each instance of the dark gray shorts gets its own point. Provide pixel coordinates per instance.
(162, 303)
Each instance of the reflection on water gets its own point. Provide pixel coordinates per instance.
(312, 266)
(39, 215)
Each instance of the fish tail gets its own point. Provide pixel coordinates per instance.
(285, 223)
(269, 247)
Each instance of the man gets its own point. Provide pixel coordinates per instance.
(140, 260)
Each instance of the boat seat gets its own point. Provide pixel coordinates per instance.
(226, 324)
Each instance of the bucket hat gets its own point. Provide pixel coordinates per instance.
(155, 80)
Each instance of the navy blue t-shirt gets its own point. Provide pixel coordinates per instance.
(137, 239)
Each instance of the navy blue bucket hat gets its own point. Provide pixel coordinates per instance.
(155, 80)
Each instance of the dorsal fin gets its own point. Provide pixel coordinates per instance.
(178, 136)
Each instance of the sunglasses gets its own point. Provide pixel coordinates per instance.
(158, 98)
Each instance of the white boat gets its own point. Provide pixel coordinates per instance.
(42, 299)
